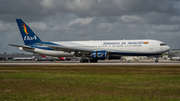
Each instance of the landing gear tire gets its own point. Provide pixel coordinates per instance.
(93, 60)
(84, 60)
(156, 61)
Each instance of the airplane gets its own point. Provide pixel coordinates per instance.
(90, 51)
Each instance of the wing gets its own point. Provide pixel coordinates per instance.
(86, 50)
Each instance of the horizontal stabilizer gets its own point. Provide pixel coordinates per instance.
(21, 46)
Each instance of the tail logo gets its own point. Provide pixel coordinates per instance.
(26, 38)
(25, 28)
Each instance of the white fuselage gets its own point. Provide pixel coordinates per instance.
(117, 47)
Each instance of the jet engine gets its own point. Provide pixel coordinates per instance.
(100, 55)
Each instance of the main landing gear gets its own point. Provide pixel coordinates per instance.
(93, 60)
(88, 60)
(84, 60)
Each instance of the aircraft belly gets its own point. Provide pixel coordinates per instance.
(134, 52)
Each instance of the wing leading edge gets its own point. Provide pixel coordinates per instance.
(69, 49)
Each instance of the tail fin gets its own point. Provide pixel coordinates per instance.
(29, 37)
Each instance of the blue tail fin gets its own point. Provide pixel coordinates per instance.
(29, 37)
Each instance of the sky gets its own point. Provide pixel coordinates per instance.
(78, 20)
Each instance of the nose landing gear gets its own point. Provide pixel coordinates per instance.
(156, 61)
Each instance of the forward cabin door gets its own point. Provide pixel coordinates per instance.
(150, 45)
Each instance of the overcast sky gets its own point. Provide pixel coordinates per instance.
(66, 20)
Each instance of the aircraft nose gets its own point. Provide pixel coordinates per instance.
(168, 48)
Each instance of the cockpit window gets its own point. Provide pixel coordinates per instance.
(162, 44)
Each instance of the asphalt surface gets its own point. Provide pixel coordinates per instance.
(100, 63)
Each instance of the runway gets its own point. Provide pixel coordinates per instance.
(100, 63)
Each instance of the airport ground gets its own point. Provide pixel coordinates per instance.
(100, 63)
(90, 83)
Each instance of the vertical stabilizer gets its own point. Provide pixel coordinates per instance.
(28, 36)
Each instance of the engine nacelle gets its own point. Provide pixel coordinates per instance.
(100, 55)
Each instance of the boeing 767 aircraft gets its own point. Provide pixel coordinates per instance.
(89, 51)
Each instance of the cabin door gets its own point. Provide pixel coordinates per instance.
(150, 45)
